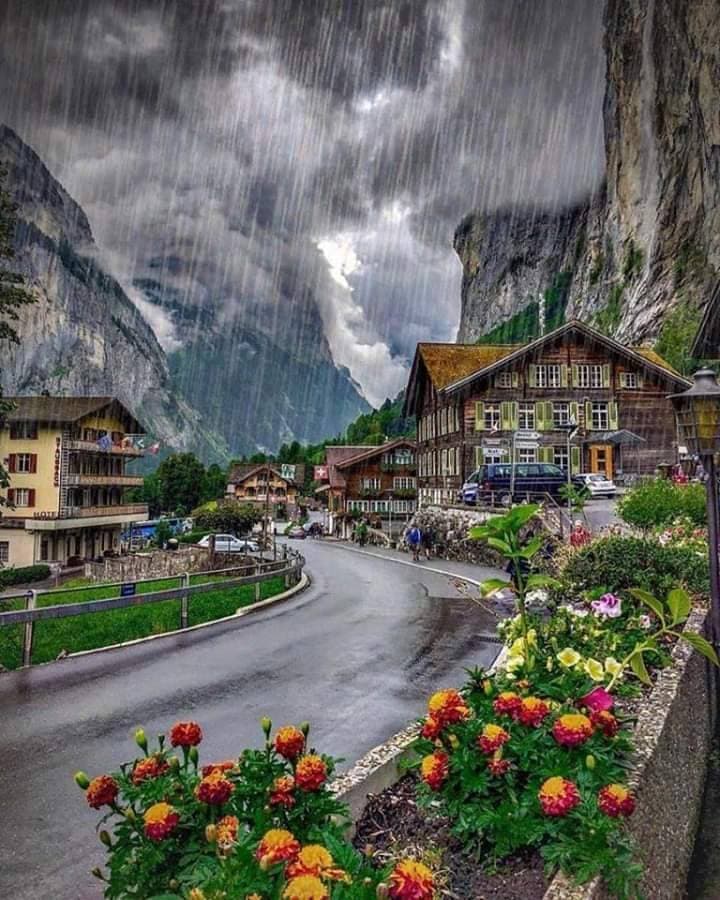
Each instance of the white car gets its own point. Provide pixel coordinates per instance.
(598, 485)
(228, 543)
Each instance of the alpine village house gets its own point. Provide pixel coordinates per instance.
(66, 458)
(572, 397)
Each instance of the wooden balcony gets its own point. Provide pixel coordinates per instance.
(85, 480)
(88, 512)
(115, 449)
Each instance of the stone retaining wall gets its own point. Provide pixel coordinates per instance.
(161, 563)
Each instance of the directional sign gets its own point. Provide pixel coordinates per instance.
(527, 445)
(527, 435)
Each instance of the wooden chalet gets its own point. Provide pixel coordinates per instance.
(475, 403)
(379, 479)
(251, 483)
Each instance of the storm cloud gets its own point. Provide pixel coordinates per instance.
(254, 154)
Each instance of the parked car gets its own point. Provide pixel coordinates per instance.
(598, 485)
(297, 532)
(228, 543)
(494, 480)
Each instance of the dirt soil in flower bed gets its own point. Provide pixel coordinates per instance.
(393, 823)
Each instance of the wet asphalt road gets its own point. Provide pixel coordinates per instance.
(356, 655)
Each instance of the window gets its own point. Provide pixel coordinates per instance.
(403, 484)
(600, 417)
(526, 416)
(403, 456)
(504, 380)
(371, 484)
(22, 497)
(492, 416)
(561, 415)
(4, 551)
(526, 455)
(560, 456)
(629, 380)
(23, 431)
(547, 376)
(24, 462)
(589, 376)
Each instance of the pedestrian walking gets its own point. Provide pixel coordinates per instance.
(414, 541)
(427, 540)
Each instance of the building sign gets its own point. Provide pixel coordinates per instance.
(320, 473)
(56, 470)
(128, 589)
(287, 472)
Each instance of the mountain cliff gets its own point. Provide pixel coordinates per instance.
(83, 335)
(647, 242)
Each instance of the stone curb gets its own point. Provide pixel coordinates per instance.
(303, 584)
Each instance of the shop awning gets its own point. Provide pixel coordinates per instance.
(623, 436)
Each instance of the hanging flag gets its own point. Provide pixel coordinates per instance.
(320, 473)
(104, 442)
(153, 448)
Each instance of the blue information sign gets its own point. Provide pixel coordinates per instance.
(127, 590)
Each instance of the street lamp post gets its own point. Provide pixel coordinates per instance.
(697, 411)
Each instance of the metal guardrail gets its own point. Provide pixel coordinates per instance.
(290, 567)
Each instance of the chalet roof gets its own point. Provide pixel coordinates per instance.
(375, 450)
(446, 363)
(242, 471)
(64, 410)
(707, 340)
(651, 356)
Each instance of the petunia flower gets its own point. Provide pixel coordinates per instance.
(609, 606)
(594, 669)
(569, 657)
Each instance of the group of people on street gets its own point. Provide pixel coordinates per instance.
(420, 540)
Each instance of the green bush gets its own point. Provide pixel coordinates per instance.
(619, 563)
(23, 575)
(192, 537)
(653, 504)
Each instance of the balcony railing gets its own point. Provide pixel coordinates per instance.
(88, 512)
(93, 447)
(83, 479)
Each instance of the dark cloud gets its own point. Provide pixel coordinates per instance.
(219, 142)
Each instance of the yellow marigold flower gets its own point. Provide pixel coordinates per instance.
(558, 796)
(612, 666)
(572, 729)
(277, 845)
(569, 657)
(305, 887)
(411, 880)
(160, 820)
(594, 669)
(448, 707)
(311, 860)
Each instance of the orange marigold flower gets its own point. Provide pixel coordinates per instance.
(411, 880)
(289, 742)
(606, 722)
(227, 765)
(448, 707)
(492, 738)
(616, 800)
(151, 767)
(310, 772)
(434, 769)
(102, 791)
(507, 703)
(572, 729)
(305, 887)
(313, 859)
(558, 796)
(226, 831)
(281, 792)
(498, 766)
(431, 729)
(185, 734)
(160, 821)
(214, 789)
(532, 711)
(277, 845)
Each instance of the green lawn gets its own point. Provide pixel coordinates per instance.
(93, 630)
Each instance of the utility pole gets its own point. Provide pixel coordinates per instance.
(267, 504)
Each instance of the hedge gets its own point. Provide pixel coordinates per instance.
(23, 575)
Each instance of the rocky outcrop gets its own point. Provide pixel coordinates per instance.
(649, 240)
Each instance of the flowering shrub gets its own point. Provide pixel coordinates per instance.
(262, 825)
(684, 534)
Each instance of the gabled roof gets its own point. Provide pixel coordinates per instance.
(446, 363)
(242, 471)
(707, 340)
(375, 450)
(64, 410)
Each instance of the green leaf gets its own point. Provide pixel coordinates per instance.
(541, 581)
(647, 598)
(678, 602)
(478, 533)
(492, 585)
(701, 645)
(502, 546)
(638, 666)
(520, 515)
(531, 548)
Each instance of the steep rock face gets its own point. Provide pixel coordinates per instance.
(650, 239)
(83, 335)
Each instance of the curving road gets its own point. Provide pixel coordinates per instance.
(356, 655)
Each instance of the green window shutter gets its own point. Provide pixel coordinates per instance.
(606, 376)
(575, 412)
(574, 460)
(613, 415)
(548, 415)
(640, 380)
(514, 415)
(588, 415)
(478, 457)
(506, 416)
(515, 379)
(564, 375)
(575, 377)
(479, 416)
(540, 416)
(531, 376)
(546, 454)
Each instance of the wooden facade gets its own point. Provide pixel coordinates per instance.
(475, 410)
(250, 484)
(376, 480)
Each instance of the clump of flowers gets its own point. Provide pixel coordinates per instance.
(572, 729)
(102, 791)
(447, 707)
(606, 722)
(609, 605)
(289, 742)
(558, 796)
(411, 880)
(281, 792)
(277, 845)
(616, 800)
(305, 887)
(151, 767)
(310, 772)
(160, 820)
(186, 734)
(214, 789)
(226, 832)
(492, 738)
(507, 703)
(532, 711)
(434, 769)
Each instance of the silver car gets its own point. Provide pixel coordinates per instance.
(598, 485)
